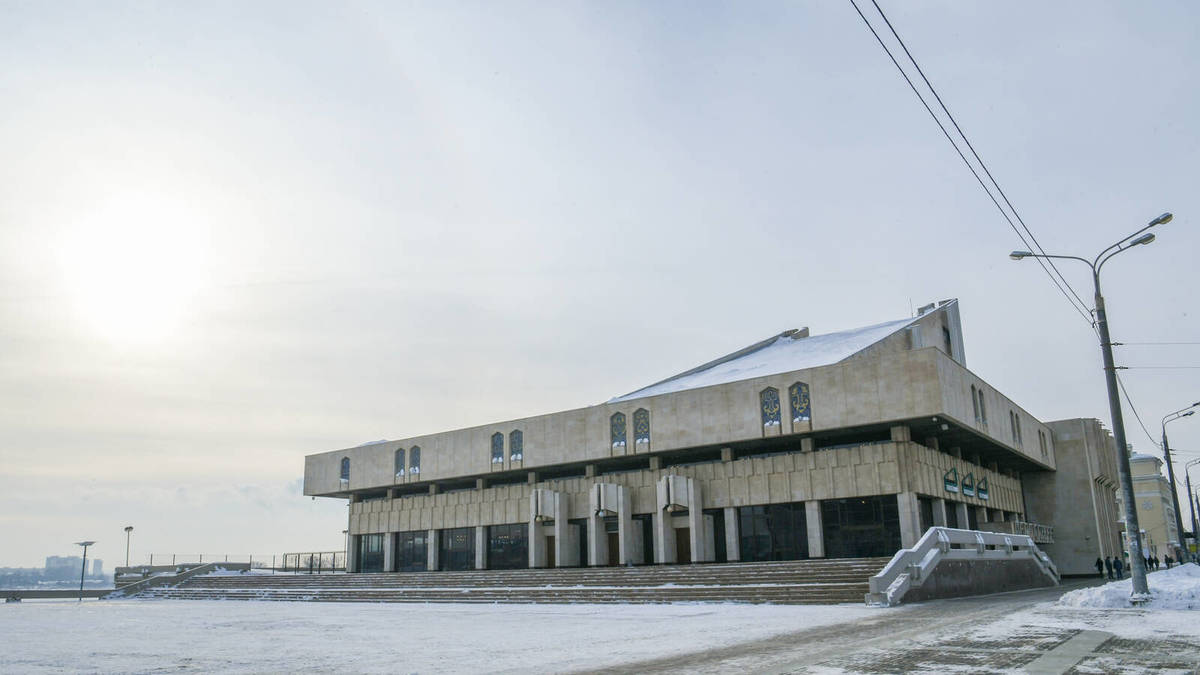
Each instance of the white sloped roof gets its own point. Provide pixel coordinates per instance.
(782, 354)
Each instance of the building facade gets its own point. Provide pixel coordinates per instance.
(847, 444)
(1155, 507)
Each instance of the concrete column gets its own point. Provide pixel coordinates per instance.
(733, 542)
(589, 471)
(964, 522)
(726, 454)
(939, 513)
(806, 445)
(901, 433)
(910, 519)
(816, 529)
(389, 549)
(664, 537)
(480, 547)
(981, 514)
(597, 541)
(625, 526)
(480, 483)
(431, 550)
(699, 534)
(655, 463)
(352, 553)
(433, 489)
(564, 554)
(537, 542)
(532, 477)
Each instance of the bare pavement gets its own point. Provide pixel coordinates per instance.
(1022, 632)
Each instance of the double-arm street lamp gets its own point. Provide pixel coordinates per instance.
(1137, 565)
(1177, 415)
(83, 568)
(1192, 505)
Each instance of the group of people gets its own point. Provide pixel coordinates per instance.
(1116, 566)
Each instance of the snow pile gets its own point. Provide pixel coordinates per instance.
(1176, 588)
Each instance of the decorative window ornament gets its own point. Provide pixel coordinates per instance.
(968, 485)
(950, 480)
(400, 463)
(344, 476)
(769, 405)
(801, 402)
(414, 460)
(641, 426)
(497, 448)
(516, 446)
(981, 490)
(617, 430)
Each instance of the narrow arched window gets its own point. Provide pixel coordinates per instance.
(616, 428)
(497, 448)
(801, 402)
(975, 404)
(516, 446)
(769, 406)
(345, 475)
(641, 427)
(399, 463)
(414, 461)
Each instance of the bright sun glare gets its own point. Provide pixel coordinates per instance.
(134, 269)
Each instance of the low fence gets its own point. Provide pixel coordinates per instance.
(1041, 534)
(311, 562)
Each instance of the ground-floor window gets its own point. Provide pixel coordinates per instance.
(412, 551)
(773, 532)
(647, 528)
(370, 553)
(952, 514)
(861, 527)
(457, 549)
(925, 506)
(508, 547)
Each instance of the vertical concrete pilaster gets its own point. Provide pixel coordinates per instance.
(625, 526)
(910, 519)
(699, 534)
(597, 541)
(351, 553)
(431, 550)
(664, 537)
(939, 513)
(733, 542)
(389, 550)
(565, 555)
(816, 529)
(964, 522)
(537, 543)
(480, 547)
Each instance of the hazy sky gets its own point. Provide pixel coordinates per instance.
(235, 234)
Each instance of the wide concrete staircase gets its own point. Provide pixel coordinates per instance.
(794, 582)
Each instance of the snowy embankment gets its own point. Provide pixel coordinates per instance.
(1176, 588)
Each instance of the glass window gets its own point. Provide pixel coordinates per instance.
(641, 426)
(411, 551)
(769, 405)
(414, 460)
(497, 448)
(516, 446)
(801, 403)
(982, 410)
(370, 553)
(861, 527)
(616, 425)
(400, 463)
(508, 547)
(345, 474)
(1020, 436)
(975, 404)
(773, 532)
(457, 549)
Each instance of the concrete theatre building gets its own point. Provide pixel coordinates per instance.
(848, 444)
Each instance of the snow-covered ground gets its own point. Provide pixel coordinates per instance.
(1175, 588)
(216, 636)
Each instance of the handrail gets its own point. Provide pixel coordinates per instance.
(162, 580)
(910, 567)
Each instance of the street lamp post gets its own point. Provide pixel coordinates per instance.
(1192, 505)
(128, 531)
(83, 569)
(1177, 415)
(1137, 565)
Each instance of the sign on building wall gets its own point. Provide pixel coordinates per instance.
(968, 485)
(982, 489)
(950, 480)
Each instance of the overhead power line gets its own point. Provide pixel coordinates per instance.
(1056, 277)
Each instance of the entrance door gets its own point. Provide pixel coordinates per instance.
(614, 548)
(683, 546)
(550, 551)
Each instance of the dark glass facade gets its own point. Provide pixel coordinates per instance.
(370, 553)
(773, 532)
(508, 547)
(412, 551)
(861, 527)
(456, 549)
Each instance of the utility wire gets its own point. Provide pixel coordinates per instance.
(1082, 312)
(1136, 416)
(971, 147)
(1122, 344)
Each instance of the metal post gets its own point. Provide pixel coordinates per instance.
(128, 532)
(1174, 493)
(82, 570)
(1137, 565)
(152, 560)
(1191, 508)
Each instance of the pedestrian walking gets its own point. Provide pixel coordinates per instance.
(1118, 566)
(1100, 567)
(1109, 566)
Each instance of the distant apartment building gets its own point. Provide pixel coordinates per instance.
(1155, 506)
(846, 444)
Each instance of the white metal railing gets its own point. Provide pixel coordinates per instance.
(911, 567)
(1041, 534)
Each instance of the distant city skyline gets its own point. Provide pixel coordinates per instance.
(234, 234)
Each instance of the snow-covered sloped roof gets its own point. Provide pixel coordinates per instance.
(781, 354)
